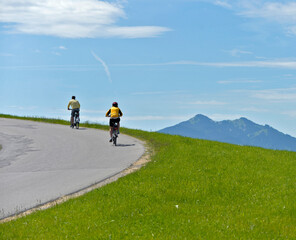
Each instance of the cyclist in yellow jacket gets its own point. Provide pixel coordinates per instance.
(114, 113)
(75, 107)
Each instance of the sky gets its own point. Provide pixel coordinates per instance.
(162, 61)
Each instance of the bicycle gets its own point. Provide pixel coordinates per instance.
(115, 133)
(76, 120)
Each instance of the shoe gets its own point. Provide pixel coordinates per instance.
(110, 140)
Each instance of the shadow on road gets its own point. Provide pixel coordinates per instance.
(125, 145)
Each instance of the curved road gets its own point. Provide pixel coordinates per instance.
(41, 162)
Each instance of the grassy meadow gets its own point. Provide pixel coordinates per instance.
(191, 189)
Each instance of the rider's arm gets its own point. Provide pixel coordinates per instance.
(78, 104)
(69, 105)
(120, 113)
(108, 113)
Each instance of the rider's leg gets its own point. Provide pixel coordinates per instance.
(110, 134)
(110, 124)
(72, 117)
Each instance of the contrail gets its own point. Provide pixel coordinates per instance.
(104, 65)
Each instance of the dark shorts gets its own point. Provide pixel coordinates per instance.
(73, 112)
(113, 120)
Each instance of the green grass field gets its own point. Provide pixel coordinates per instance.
(191, 189)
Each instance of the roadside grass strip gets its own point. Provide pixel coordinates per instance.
(191, 189)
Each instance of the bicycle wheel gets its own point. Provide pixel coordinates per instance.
(114, 138)
(77, 125)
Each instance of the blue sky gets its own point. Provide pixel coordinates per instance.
(163, 61)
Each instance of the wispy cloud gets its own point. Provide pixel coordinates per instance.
(272, 95)
(284, 94)
(148, 93)
(93, 111)
(237, 52)
(104, 65)
(141, 118)
(224, 3)
(23, 108)
(56, 53)
(248, 64)
(254, 109)
(51, 67)
(213, 102)
(6, 55)
(155, 118)
(281, 12)
(255, 64)
(71, 19)
(159, 92)
(289, 113)
(239, 81)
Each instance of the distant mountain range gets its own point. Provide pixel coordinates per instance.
(240, 131)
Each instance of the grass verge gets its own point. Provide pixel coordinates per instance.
(192, 189)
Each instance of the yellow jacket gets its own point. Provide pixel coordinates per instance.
(114, 112)
(74, 104)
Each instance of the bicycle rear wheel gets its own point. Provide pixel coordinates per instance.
(114, 139)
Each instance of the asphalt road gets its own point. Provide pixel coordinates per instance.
(41, 162)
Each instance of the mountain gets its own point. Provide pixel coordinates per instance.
(240, 131)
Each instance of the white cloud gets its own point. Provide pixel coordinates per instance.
(248, 64)
(258, 64)
(149, 93)
(208, 103)
(62, 48)
(237, 52)
(225, 4)
(6, 55)
(281, 12)
(56, 53)
(23, 108)
(290, 113)
(254, 109)
(136, 32)
(273, 11)
(284, 94)
(140, 118)
(159, 92)
(92, 111)
(155, 118)
(71, 19)
(238, 81)
(277, 95)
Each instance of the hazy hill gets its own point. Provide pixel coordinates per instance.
(240, 131)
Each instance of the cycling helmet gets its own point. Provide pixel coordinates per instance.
(115, 104)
